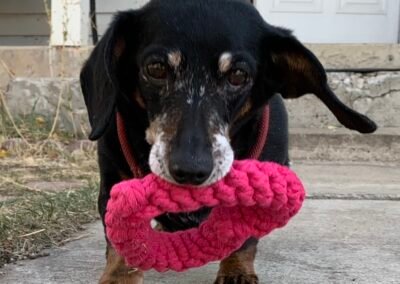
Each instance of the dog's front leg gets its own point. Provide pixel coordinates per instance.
(239, 266)
(116, 272)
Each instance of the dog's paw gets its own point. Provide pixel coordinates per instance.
(237, 279)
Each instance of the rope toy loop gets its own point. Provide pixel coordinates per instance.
(251, 201)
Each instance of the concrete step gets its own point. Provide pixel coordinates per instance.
(343, 145)
(349, 181)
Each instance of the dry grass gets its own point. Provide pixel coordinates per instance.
(32, 216)
(48, 182)
(37, 221)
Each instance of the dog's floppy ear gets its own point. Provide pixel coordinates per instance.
(99, 74)
(295, 71)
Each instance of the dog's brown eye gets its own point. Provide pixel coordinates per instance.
(237, 77)
(157, 70)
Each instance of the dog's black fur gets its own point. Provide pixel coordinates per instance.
(114, 78)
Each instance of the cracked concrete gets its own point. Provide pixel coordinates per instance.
(330, 241)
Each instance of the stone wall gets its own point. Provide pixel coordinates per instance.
(34, 79)
(374, 94)
(49, 98)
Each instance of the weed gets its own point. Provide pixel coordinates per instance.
(41, 220)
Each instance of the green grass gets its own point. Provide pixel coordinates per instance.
(38, 221)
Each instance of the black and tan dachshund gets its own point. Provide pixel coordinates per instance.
(191, 79)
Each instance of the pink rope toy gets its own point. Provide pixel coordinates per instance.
(251, 201)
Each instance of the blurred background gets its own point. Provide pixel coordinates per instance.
(29, 22)
(43, 44)
(48, 168)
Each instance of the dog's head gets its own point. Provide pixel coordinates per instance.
(196, 68)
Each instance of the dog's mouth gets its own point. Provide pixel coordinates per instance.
(172, 222)
(223, 157)
(222, 154)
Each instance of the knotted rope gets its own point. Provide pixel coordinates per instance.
(251, 201)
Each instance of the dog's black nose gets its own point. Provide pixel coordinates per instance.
(190, 171)
(190, 160)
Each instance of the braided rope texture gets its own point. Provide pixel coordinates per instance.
(251, 201)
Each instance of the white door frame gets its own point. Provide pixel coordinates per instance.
(362, 38)
(70, 22)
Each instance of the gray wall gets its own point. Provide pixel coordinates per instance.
(106, 9)
(24, 22)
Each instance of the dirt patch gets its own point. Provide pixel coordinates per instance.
(56, 186)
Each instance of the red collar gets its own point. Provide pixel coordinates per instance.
(126, 148)
(254, 153)
(256, 150)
